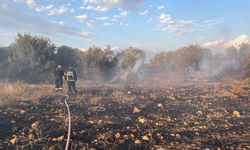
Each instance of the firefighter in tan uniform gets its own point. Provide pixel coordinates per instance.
(71, 77)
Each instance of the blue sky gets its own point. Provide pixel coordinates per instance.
(153, 25)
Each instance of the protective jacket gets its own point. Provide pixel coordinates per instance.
(70, 75)
(58, 73)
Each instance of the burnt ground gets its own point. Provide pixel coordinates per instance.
(191, 116)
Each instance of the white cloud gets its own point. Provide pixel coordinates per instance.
(39, 9)
(161, 7)
(7, 37)
(51, 10)
(90, 24)
(124, 4)
(83, 49)
(98, 8)
(30, 2)
(143, 13)
(81, 18)
(114, 20)
(149, 20)
(123, 24)
(18, 1)
(49, 6)
(7, 33)
(58, 22)
(165, 18)
(213, 44)
(124, 13)
(88, 7)
(61, 10)
(116, 16)
(72, 10)
(102, 18)
(24, 21)
(44, 9)
(101, 9)
(212, 22)
(167, 23)
(107, 24)
(116, 48)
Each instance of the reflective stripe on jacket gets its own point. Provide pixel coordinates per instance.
(70, 75)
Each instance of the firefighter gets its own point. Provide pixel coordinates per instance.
(71, 77)
(59, 73)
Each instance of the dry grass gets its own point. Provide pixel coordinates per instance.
(12, 92)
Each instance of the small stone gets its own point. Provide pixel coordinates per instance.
(136, 110)
(137, 142)
(61, 138)
(34, 125)
(178, 136)
(199, 112)
(125, 136)
(146, 138)
(159, 105)
(31, 137)
(91, 122)
(13, 141)
(22, 112)
(236, 114)
(141, 120)
(52, 148)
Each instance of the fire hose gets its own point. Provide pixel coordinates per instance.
(69, 121)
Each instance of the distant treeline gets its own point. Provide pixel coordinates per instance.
(32, 59)
(196, 61)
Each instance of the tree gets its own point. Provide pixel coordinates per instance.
(247, 68)
(130, 63)
(184, 60)
(100, 63)
(232, 53)
(34, 57)
(244, 53)
(244, 59)
(6, 54)
(130, 56)
(67, 56)
(159, 60)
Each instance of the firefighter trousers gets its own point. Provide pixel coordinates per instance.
(71, 87)
(59, 85)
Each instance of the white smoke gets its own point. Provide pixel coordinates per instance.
(238, 41)
(220, 46)
(126, 74)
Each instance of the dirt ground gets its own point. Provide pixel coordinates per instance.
(208, 115)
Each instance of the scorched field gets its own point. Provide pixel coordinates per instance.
(192, 115)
